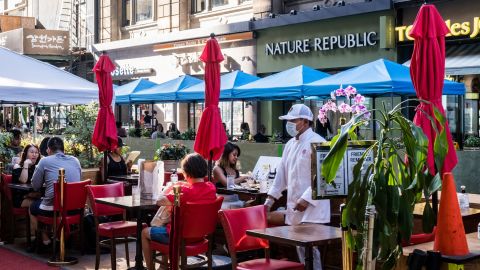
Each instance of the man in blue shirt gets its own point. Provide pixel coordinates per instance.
(46, 174)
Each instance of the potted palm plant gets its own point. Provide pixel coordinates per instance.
(392, 184)
(171, 154)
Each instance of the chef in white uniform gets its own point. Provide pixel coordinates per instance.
(294, 175)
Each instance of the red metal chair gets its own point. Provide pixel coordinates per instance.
(75, 195)
(235, 223)
(16, 211)
(112, 230)
(420, 238)
(198, 221)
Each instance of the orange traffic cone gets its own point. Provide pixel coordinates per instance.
(450, 236)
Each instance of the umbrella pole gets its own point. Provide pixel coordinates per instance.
(210, 167)
(435, 206)
(105, 166)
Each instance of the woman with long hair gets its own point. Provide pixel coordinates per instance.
(22, 174)
(227, 166)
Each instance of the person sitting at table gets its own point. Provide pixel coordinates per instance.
(227, 166)
(44, 147)
(172, 131)
(15, 143)
(159, 134)
(260, 136)
(115, 162)
(195, 189)
(121, 131)
(22, 174)
(46, 174)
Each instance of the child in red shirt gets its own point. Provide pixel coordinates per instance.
(194, 190)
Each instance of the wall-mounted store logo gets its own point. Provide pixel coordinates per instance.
(125, 70)
(457, 29)
(326, 43)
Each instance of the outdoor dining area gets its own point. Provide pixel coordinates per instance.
(388, 203)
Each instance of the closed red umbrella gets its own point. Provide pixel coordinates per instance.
(105, 133)
(211, 136)
(427, 70)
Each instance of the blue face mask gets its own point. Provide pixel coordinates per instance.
(291, 129)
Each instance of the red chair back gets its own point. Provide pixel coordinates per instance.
(199, 219)
(7, 179)
(75, 196)
(236, 222)
(104, 191)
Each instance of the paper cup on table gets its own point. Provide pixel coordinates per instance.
(230, 181)
(135, 193)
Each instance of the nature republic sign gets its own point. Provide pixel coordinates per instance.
(325, 43)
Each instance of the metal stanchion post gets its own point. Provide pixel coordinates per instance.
(61, 259)
(174, 244)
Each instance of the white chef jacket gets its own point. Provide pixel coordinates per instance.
(294, 174)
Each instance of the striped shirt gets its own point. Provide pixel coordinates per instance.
(46, 173)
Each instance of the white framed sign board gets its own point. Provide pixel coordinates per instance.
(344, 176)
(263, 167)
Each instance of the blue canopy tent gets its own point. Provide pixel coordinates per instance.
(123, 92)
(285, 85)
(228, 82)
(164, 92)
(380, 77)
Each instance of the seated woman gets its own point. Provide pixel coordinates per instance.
(227, 166)
(22, 174)
(172, 131)
(195, 189)
(159, 134)
(115, 163)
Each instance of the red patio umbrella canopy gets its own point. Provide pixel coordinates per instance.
(427, 70)
(211, 136)
(105, 133)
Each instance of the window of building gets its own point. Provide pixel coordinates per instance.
(198, 6)
(217, 3)
(2, 5)
(143, 10)
(135, 11)
(126, 12)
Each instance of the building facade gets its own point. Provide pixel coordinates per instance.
(161, 40)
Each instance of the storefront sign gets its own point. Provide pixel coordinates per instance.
(129, 72)
(36, 41)
(326, 43)
(469, 29)
(202, 41)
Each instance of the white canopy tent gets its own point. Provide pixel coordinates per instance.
(26, 80)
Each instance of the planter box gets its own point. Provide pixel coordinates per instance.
(92, 174)
(471, 148)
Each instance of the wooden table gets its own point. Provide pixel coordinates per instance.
(130, 178)
(471, 261)
(137, 206)
(470, 218)
(245, 194)
(24, 187)
(305, 235)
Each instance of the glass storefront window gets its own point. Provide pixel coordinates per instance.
(143, 10)
(217, 3)
(471, 117)
(452, 111)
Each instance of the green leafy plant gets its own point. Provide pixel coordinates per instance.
(78, 136)
(132, 132)
(6, 153)
(189, 134)
(472, 141)
(146, 133)
(171, 151)
(393, 183)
